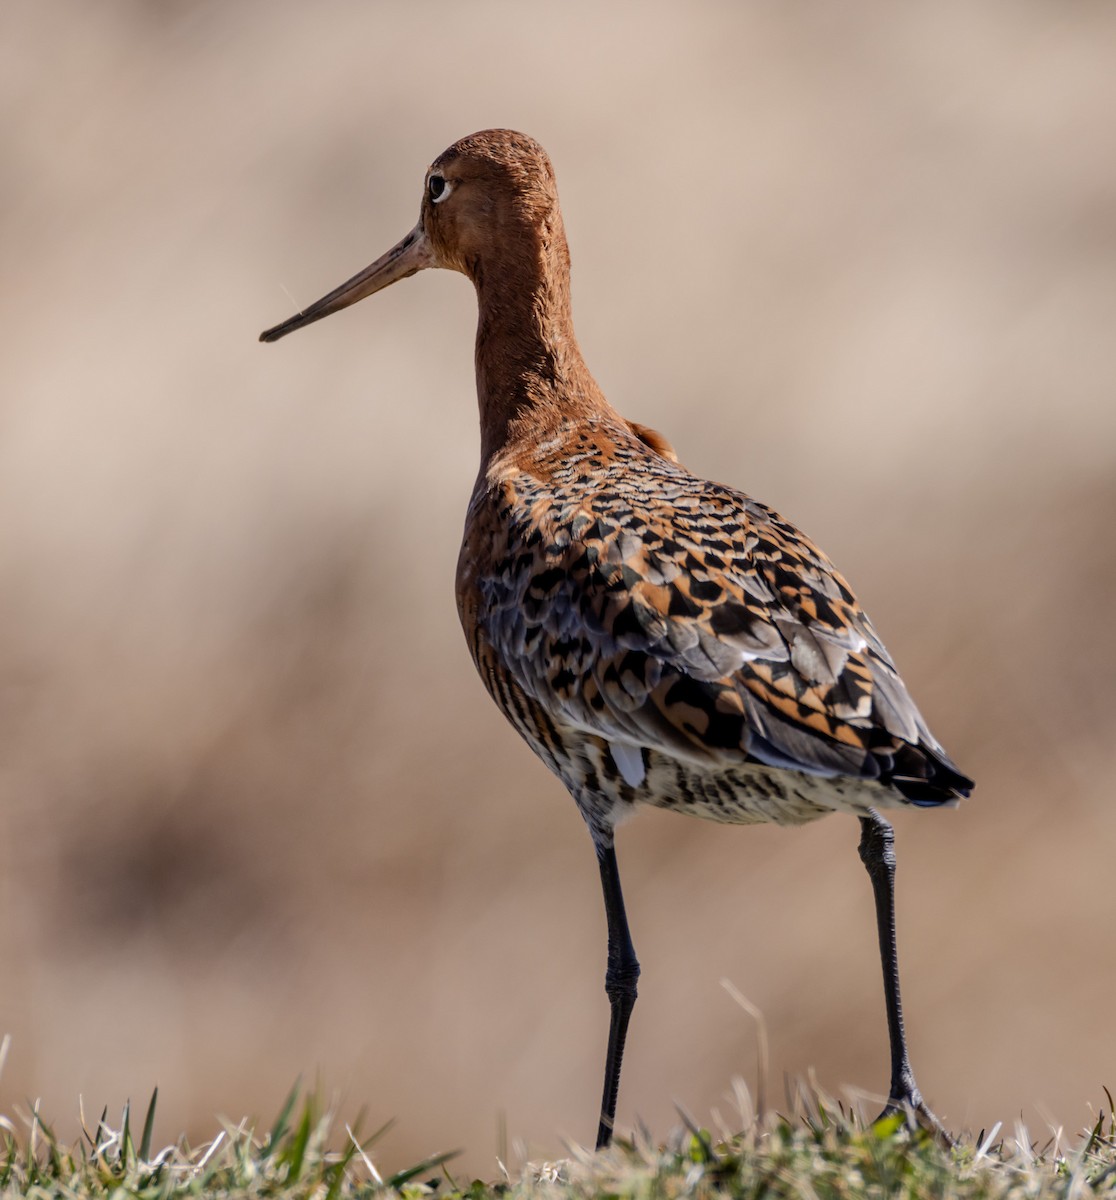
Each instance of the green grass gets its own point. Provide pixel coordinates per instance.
(818, 1154)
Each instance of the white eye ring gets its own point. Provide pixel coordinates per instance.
(438, 187)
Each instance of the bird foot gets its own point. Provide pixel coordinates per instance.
(919, 1116)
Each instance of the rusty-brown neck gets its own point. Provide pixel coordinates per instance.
(531, 377)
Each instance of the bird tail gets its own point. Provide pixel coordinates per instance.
(925, 776)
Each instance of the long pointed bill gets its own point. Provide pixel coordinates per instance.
(412, 254)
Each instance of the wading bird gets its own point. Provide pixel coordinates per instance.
(655, 637)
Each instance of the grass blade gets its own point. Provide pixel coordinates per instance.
(283, 1119)
(126, 1147)
(297, 1153)
(436, 1160)
(148, 1128)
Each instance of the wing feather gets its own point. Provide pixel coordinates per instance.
(658, 609)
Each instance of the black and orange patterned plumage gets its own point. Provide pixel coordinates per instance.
(688, 634)
(655, 637)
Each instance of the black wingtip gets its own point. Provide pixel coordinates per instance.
(928, 779)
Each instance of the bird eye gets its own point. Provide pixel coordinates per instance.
(438, 188)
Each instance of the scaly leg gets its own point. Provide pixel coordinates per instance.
(877, 852)
(620, 984)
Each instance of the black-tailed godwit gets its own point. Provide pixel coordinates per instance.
(656, 638)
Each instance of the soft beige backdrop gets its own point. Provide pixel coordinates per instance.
(258, 817)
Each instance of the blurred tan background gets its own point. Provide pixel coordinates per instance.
(258, 817)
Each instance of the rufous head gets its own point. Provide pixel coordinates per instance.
(488, 201)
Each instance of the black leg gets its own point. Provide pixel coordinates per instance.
(877, 852)
(620, 984)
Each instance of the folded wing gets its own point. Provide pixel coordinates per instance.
(689, 618)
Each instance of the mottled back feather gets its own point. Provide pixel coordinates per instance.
(642, 604)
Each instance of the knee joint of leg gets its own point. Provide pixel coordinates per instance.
(620, 981)
(877, 846)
